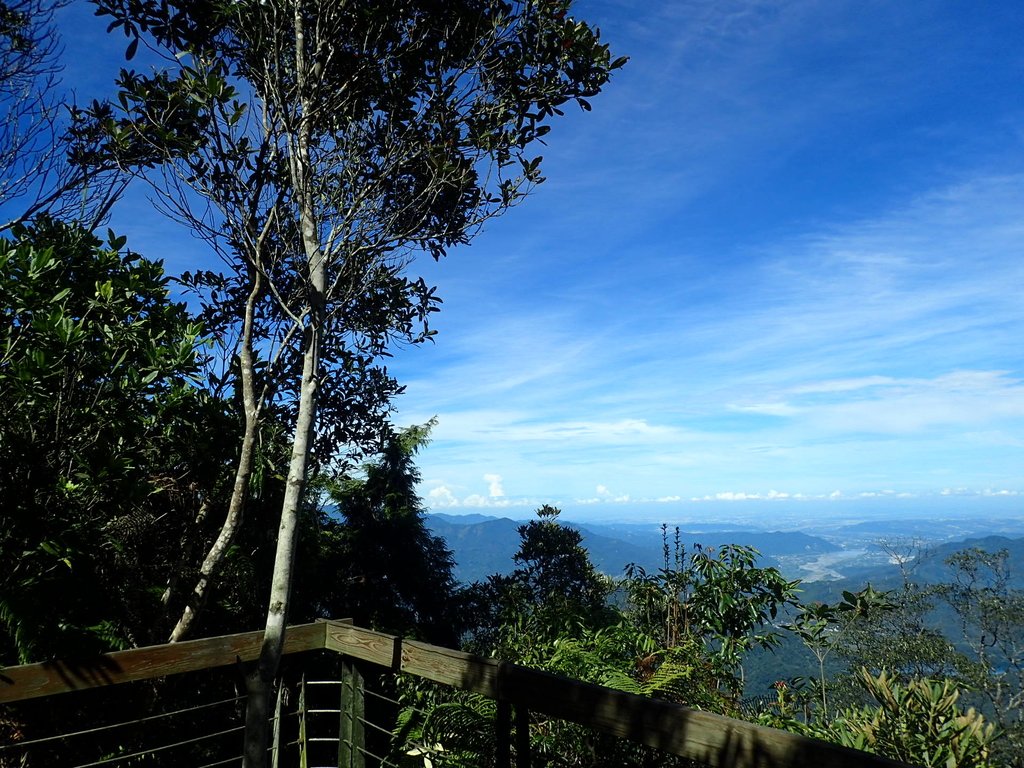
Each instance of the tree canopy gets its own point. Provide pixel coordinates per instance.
(108, 446)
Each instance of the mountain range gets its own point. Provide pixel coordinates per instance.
(485, 545)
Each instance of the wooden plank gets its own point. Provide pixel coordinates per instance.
(365, 644)
(33, 680)
(444, 665)
(702, 736)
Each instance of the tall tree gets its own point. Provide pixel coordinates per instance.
(554, 593)
(991, 616)
(365, 132)
(390, 572)
(555, 568)
(719, 599)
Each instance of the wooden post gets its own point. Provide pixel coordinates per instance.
(503, 735)
(522, 736)
(352, 735)
(303, 735)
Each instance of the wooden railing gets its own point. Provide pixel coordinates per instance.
(702, 736)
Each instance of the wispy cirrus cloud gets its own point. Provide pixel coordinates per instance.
(774, 265)
(852, 351)
(783, 252)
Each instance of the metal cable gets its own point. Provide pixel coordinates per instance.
(368, 753)
(99, 728)
(144, 752)
(222, 762)
(382, 697)
(364, 721)
(381, 760)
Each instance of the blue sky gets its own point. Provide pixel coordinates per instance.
(782, 258)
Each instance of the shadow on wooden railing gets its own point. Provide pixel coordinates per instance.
(707, 738)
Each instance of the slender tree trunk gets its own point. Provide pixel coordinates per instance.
(243, 472)
(261, 681)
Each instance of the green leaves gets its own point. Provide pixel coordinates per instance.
(719, 596)
(918, 722)
(94, 368)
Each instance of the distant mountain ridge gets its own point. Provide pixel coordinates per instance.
(485, 545)
(930, 566)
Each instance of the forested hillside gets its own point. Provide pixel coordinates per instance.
(713, 627)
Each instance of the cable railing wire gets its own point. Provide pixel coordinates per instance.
(382, 697)
(162, 748)
(376, 727)
(101, 728)
(225, 761)
(281, 717)
(368, 753)
(149, 751)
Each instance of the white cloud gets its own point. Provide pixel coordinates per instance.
(494, 486)
(842, 385)
(958, 398)
(886, 348)
(441, 497)
(744, 496)
(734, 496)
(889, 405)
(985, 492)
(767, 409)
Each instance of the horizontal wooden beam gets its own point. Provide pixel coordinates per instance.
(33, 680)
(455, 668)
(702, 736)
(711, 739)
(365, 644)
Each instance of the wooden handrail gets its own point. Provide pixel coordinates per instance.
(702, 736)
(50, 677)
